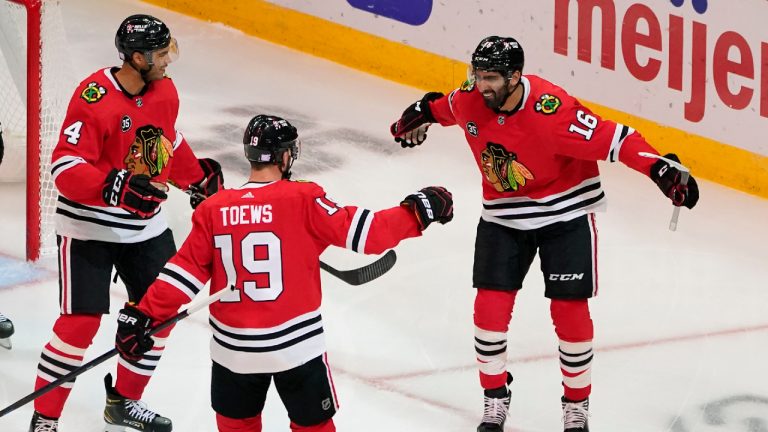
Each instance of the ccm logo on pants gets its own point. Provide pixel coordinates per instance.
(566, 277)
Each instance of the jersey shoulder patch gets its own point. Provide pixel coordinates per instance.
(467, 85)
(547, 104)
(93, 92)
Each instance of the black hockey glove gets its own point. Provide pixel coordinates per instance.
(212, 182)
(411, 129)
(134, 193)
(668, 179)
(431, 204)
(131, 340)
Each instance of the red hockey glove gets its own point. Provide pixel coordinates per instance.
(431, 204)
(134, 193)
(411, 129)
(668, 179)
(212, 182)
(131, 340)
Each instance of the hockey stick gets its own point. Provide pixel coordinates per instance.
(685, 173)
(109, 354)
(366, 273)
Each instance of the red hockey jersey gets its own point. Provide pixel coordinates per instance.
(106, 128)
(265, 240)
(539, 162)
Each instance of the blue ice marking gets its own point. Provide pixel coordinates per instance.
(15, 272)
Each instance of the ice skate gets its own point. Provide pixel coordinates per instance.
(6, 330)
(575, 415)
(496, 402)
(128, 415)
(40, 423)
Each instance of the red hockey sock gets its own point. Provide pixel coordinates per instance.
(72, 335)
(133, 377)
(493, 311)
(574, 328)
(226, 424)
(326, 426)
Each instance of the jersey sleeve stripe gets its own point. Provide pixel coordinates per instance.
(179, 282)
(358, 230)
(450, 101)
(178, 140)
(197, 283)
(64, 163)
(619, 135)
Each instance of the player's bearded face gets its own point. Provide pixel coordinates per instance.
(493, 86)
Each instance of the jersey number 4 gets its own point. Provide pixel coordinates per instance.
(271, 266)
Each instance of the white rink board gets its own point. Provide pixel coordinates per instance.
(454, 29)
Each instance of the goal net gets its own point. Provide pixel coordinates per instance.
(34, 90)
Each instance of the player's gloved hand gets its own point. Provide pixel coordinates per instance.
(212, 182)
(668, 179)
(431, 204)
(134, 193)
(131, 340)
(411, 129)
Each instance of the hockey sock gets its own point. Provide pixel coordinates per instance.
(250, 424)
(133, 376)
(574, 328)
(326, 426)
(493, 311)
(72, 335)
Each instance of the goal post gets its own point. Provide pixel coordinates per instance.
(34, 86)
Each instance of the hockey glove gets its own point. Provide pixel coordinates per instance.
(411, 129)
(668, 179)
(131, 340)
(212, 182)
(134, 193)
(431, 204)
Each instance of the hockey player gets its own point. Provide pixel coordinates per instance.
(6, 331)
(117, 151)
(265, 238)
(536, 148)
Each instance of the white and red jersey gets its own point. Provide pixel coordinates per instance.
(539, 162)
(265, 239)
(107, 128)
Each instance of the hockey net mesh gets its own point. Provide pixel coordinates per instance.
(56, 85)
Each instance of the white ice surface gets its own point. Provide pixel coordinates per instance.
(681, 324)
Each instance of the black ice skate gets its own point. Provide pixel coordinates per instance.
(6, 330)
(575, 415)
(496, 402)
(40, 423)
(128, 415)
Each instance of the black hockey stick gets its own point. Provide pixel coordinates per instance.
(364, 274)
(109, 354)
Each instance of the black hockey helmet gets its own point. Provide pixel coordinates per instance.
(267, 137)
(142, 33)
(499, 54)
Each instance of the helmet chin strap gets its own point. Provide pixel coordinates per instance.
(285, 168)
(143, 72)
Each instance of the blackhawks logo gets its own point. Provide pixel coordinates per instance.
(548, 104)
(93, 92)
(149, 153)
(502, 169)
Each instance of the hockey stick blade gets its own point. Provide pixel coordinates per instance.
(111, 353)
(366, 273)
